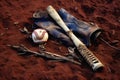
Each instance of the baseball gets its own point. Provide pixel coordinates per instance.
(39, 36)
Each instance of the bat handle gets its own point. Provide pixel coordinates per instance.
(90, 58)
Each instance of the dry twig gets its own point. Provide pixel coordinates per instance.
(22, 50)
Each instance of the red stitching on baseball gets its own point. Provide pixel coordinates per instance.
(37, 35)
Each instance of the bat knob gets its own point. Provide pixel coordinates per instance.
(98, 67)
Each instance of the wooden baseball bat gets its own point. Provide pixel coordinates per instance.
(92, 60)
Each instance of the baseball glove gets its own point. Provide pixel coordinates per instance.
(45, 22)
(86, 32)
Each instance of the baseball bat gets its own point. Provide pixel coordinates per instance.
(90, 58)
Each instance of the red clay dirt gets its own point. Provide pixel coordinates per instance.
(106, 13)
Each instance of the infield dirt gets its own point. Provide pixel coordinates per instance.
(106, 13)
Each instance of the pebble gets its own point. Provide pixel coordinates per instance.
(6, 28)
(1, 34)
(115, 41)
(16, 23)
(113, 32)
(119, 20)
(76, 8)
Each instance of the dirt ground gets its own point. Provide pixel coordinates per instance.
(106, 13)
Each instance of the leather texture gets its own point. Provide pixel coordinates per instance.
(86, 32)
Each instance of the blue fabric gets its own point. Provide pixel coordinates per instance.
(84, 31)
(53, 30)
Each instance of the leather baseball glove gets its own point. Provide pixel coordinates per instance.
(86, 32)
